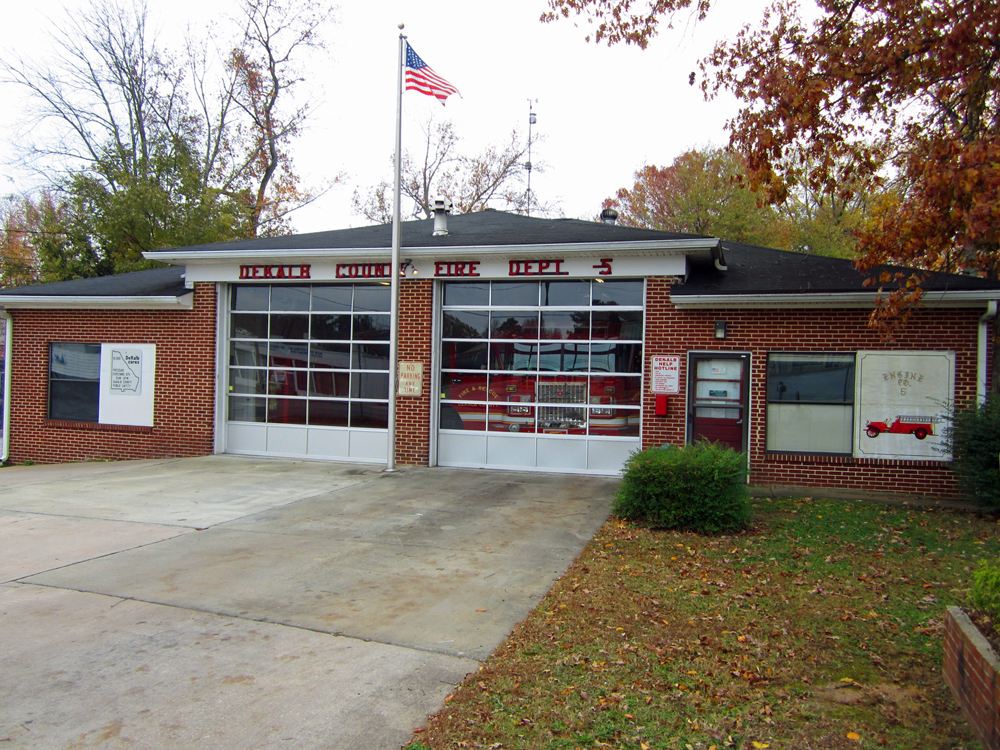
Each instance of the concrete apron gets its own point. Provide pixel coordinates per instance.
(233, 602)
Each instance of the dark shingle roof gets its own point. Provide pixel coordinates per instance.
(160, 282)
(763, 270)
(472, 230)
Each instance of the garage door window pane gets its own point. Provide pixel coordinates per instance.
(625, 293)
(332, 298)
(328, 413)
(369, 415)
(290, 298)
(251, 298)
(506, 324)
(244, 409)
(372, 298)
(249, 326)
(514, 293)
(371, 327)
(286, 411)
(248, 353)
(466, 324)
(329, 356)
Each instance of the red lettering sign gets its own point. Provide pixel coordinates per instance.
(536, 268)
(604, 266)
(361, 270)
(274, 272)
(466, 268)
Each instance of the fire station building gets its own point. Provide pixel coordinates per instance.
(529, 344)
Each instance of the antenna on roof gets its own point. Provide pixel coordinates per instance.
(527, 164)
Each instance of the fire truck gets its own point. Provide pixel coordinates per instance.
(919, 427)
(531, 387)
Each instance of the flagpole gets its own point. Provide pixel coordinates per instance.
(390, 462)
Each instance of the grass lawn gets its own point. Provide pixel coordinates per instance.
(821, 627)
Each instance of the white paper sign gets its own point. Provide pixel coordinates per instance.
(127, 384)
(666, 375)
(901, 401)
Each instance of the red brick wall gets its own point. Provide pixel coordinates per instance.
(970, 670)
(183, 413)
(416, 312)
(670, 331)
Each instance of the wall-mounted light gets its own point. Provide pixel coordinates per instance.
(720, 329)
(404, 266)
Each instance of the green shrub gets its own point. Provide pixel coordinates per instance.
(700, 488)
(973, 437)
(985, 593)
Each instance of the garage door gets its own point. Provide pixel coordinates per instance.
(308, 371)
(541, 375)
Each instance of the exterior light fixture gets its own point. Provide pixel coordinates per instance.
(720, 329)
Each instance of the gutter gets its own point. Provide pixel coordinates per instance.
(982, 365)
(934, 298)
(93, 302)
(8, 324)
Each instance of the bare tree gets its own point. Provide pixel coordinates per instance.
(494, 177)
(113, 102)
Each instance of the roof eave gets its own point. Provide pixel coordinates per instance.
(94, 302)
(707, 248)
(948, 298)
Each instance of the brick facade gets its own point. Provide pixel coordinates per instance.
(184, 411)
(185, 381)
(670, 331)
(970, 670)
(413, 414)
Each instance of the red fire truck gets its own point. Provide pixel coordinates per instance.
(919, 427)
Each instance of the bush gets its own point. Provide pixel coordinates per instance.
(985, 593)
(974, 441)
(700, 488)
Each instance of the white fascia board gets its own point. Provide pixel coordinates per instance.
(700, 247)
(53, 302)
(958, 298)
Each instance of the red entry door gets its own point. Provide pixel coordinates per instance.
(717, 399)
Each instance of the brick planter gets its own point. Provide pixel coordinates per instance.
(970, 669)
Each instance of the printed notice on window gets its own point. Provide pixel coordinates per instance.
(127, 388)
(126, 372)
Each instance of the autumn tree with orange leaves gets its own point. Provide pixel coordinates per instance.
(893, 96)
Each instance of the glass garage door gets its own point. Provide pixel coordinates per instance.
(541, 375)
(308, 371)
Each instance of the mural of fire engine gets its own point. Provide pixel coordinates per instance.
(919, 427)
(508, 367)
(901, 399)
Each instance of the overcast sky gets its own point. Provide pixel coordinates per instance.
(602, 113)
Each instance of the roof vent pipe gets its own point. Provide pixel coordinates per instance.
(442, 207)
(609, 216)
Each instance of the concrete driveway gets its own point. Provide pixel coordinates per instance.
(232, 602)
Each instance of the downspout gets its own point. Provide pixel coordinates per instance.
(8, 324)
(984, 330)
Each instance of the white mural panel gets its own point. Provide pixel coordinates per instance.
(901, 403)
(126, 382)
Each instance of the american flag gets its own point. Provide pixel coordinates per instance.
(420, 77)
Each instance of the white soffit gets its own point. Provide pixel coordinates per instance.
(66, 302)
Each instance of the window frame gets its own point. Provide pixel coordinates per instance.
(52, 378)
(769, 401)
